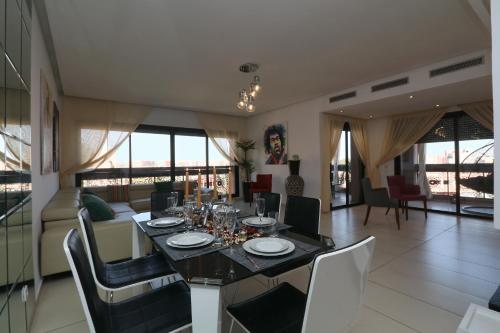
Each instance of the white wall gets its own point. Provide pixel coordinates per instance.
(44, 186)
(495, 34)
(303, 138)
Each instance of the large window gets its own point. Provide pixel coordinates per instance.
(155, 154)
(453, 164)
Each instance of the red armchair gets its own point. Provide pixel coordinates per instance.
(264, 183)
(398, 189)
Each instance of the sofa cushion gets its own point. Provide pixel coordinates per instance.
(164, 186)
(61, 210)
(141, 205)
(120, 207)
(98, 209)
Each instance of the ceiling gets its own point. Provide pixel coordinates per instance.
(445, 96)
(185, 54)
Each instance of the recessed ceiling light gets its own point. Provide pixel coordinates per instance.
(437, 105)
(371, 116)
(341, 111)
(410, 97)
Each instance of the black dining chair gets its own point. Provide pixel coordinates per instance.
(124, 274)
(165, 309)
(303, 213)
(273, 202)
(332, 303)
(159, 200)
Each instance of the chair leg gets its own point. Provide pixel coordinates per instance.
(406, 210)
(397, 217)
(425, 208)
(367, 214)
(387, 211)
(231, 327)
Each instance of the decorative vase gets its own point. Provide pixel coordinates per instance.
(294, 184)
(247, 196)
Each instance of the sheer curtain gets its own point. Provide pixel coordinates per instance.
(404, 131)
(422, 180)
(225, 142)
(92, 130)
(333, 132)
(482, 112)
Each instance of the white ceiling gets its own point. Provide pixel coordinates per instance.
(185, 54)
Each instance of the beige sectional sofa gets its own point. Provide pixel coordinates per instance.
(114, 237)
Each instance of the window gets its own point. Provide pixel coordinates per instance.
(154, 153)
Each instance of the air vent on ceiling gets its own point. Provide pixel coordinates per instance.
(343, 96)
(390, 84)
(456, 67)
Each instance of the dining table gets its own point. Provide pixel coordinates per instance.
(209, 269)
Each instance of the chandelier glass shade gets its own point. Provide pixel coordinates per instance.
(247, 97)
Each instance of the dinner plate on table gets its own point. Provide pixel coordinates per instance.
(165, 222)
(190, 240)
(257, 222)
(269, 246)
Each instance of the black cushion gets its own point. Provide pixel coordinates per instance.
(494, 303)
(302, 213)
(280, 309)
(164, 186)
(272, 202)
(135, 270)
(159, 200)
(161, 310)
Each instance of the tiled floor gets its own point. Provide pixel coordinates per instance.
(423, 277)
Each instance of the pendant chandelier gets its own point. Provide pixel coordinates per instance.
(247, 97)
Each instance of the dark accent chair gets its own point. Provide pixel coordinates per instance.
(378, 197)
(165, 309)
(273, 202)
(264, 183)
(124, 274)
(159, 200)
(303, 213)
(494, 303)
(403, 192)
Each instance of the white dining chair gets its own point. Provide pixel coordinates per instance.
(332, 304)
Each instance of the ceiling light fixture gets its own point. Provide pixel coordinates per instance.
(411, 97)
(247, 97)
(371, 116)
(341, 111)
(437, 105)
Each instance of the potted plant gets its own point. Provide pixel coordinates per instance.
(294, 164)
(247, 165)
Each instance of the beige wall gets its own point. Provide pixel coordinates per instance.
(44, 186)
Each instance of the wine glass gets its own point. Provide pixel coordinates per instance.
(175, 197)
(219, 218)
(170, 203)
(188, 214)
(261, 207)
(273, 229)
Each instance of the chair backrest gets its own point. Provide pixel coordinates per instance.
(98, 267)
(273, 202)
(367, 190)
(265, 181)
(94, 308)
(303, 213)
(159, 200)
(336, 288)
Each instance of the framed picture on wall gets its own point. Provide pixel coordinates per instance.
(55, 138)
(275, 144)
(46, 124)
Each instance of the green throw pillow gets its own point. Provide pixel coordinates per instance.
(98, 209)
(164, 186)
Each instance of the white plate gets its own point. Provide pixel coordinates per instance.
(165, 222)
(257, 222)
(190, 240)
(269, 245)
(247, 246)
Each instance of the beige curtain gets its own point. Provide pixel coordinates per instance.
(482, 112)
(92, 130)
(359, 134)
(404, 131)
(332, 136)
